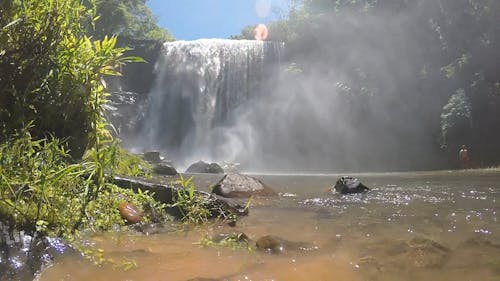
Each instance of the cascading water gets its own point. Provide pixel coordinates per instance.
(230, 100)
(196, 100)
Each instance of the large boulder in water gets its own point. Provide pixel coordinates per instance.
(204, 167)
(241, 186)
(349, 185)
(164, 169)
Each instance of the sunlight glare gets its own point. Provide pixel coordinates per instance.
(260, 32)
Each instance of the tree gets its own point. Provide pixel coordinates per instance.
(456, 120)
(129, 18)
(397, 66)
(51, 71)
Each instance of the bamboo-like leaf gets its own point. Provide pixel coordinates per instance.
(14, 22)
(133, 59)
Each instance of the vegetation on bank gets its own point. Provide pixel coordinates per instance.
(56, 154)
(41, 191)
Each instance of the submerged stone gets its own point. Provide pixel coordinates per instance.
(418, 252)
(152, 228)
(426, 253)
(276, 245)
(236, 237)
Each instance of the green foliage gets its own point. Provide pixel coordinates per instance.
(51, 71)
(246, 33)
(40, 191)
(119, 161)
(451, 69)
(131, 165)
(127, 18)
(30, 41)
(194, 207)
(394, 66)
(293, 68)
(234, 241)
(51, 78)
(455, 119)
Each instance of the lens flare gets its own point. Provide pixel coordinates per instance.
(260, 32)
(263, 8)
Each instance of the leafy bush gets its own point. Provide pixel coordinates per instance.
(119, 161)
(41, 192)
(194, 207)
(38, 190)
(52, 72)
(52, 78)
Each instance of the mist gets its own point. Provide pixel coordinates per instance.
(353, 91)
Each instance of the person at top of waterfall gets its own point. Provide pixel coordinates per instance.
(463, 157)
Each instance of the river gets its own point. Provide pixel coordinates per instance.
(410, 226)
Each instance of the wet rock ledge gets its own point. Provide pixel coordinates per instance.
(229, 192)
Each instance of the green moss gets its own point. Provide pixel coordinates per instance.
(235, 241)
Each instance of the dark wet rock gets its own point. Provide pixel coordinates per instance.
(227, 208)
(162, 192)
(124, 110)
(236, 206)
(349, 185)
(204, 167)
(164, 169)
(276, 245)
(272, 244)
(152, 156)
(22, 256)
(241, 186)
(237, 237)
(130, 212)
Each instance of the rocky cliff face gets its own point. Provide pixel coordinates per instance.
(129, 91)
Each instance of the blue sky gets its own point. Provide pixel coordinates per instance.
(194, 19)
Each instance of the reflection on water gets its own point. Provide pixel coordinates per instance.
(411, 226)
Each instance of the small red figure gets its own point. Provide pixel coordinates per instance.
(464, 158)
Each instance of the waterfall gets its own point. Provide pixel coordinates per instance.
(200, 89)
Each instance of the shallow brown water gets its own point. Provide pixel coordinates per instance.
(411, 226)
